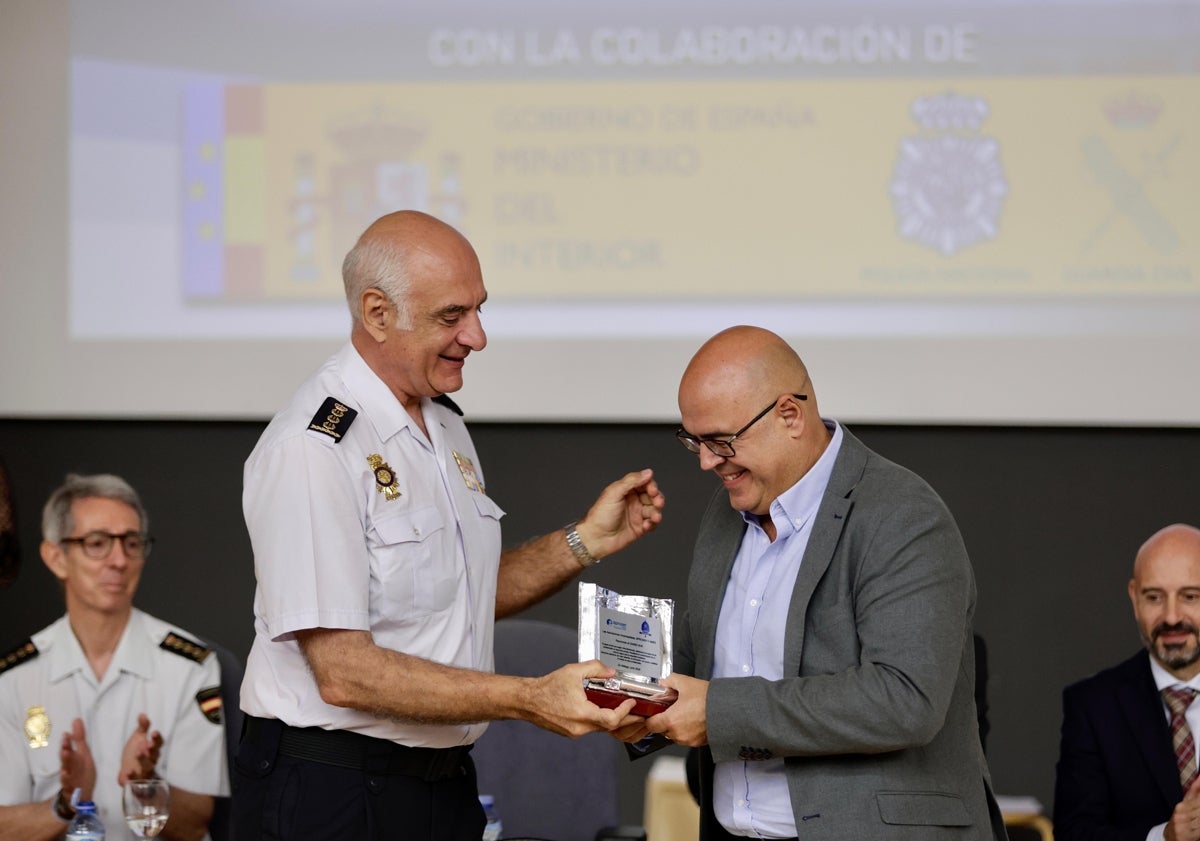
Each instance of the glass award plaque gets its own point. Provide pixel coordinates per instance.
(631, 634)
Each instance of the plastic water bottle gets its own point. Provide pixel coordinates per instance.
(493, 829)
(86, 826)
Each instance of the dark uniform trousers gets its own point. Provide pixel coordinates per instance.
(308, 784)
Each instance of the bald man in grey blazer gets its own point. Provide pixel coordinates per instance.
(826, 662)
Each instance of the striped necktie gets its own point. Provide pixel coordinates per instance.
(1178, 699)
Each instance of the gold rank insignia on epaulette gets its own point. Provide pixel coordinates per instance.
(25, 651)
(333, 419)
(185, 647)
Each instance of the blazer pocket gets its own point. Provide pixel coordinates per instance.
(930, 808)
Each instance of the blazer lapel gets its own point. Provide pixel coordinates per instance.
(1138, 698)
(823, 542)
(716, 549)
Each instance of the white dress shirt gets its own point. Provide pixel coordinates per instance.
(1165, 680)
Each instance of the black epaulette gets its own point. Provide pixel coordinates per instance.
(25, 651)
(185, 647)
(333, 419)
(448, 403)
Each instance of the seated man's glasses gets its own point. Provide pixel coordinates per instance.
(723, 447)
(98, 545)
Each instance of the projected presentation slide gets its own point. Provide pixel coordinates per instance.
(608, 190)
(878, 156)
(959, 211)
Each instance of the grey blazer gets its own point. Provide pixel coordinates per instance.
(877, 728)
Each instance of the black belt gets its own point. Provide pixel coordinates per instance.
(345, 749)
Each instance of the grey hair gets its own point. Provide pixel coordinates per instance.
(378, 262)
(56, 515)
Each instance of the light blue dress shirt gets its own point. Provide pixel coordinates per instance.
(751, 798)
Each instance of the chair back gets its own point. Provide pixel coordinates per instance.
(1029, 828)
(220, 827)
(546, 786)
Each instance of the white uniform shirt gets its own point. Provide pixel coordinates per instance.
(169, 687)
(332, 550)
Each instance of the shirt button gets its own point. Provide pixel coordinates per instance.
(745, 669)
(416, 531)
(741, 802)
(754, 602)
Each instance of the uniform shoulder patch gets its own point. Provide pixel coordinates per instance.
(448, 403)
(185, 647)
(23, 652)
(333, 419)
(209, 701)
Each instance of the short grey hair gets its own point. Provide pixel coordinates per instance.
(380, 263)
(57, 522)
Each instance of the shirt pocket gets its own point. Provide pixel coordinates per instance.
(483, 539)
(485, 507)
(417, 562)
(44, 767)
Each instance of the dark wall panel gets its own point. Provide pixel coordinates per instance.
(1052, 518)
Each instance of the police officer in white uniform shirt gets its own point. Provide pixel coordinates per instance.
(107, 693)
(378, 559)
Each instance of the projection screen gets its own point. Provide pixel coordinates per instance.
(970, 212)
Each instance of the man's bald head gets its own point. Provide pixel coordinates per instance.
(1177, 540)
(1165, 592)
(744, 363)
(734, 375)
(389, 256)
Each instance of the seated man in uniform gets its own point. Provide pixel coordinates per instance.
(106, 693)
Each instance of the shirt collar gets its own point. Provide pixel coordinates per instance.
(1165, 680)
(382, 409)
(793, 508)
(65, 655)
(134, 654)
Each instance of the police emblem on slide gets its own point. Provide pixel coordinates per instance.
(948, 185)
(385, 478)
(37, 727)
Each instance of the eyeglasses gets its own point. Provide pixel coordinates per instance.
(723, 447)
(98, 545)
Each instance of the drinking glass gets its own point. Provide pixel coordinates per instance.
(147, 804)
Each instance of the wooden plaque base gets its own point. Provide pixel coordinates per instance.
(644, 707)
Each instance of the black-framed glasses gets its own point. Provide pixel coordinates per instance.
(723, 447)
(98, 545)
